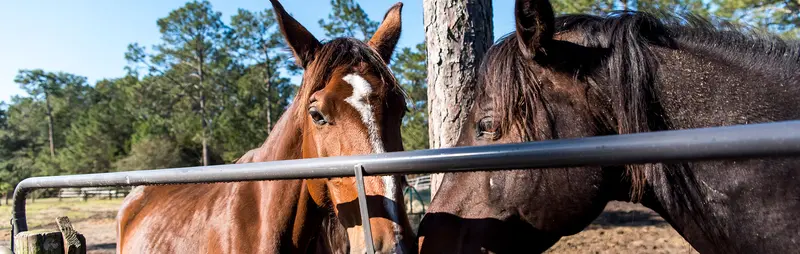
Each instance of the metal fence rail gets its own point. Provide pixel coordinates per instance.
(733, 142)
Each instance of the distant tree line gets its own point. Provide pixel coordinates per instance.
(209, 91)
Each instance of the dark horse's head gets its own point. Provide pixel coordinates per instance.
(553, 78)
(626, 72)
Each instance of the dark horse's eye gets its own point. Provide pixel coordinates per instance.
(318, 118)
(486, 129)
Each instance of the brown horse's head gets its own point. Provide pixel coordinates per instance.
(350, 104)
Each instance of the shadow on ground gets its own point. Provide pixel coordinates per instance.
(609, 219)
(105, 246)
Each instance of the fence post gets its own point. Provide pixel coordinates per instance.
(74, 243)
(66, 240)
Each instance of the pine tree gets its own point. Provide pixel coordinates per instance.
(192, 38)
(411, 71)
(98, 135)
(347, 19)
(256, 42)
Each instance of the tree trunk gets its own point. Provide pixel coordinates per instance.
(50, 124)
(203, 115)
(457, 33)
(268, 81)
(204, 134)
(269, 111)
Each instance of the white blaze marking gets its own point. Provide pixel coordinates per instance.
(360, 101)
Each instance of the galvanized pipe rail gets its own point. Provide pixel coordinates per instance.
(733, 142)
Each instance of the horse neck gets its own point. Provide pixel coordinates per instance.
(699, 89)
(283, 143)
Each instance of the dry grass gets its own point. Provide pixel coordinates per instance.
(93, 218)
(44, 212)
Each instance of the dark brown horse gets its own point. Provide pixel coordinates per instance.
(348, 104)
(628, 72)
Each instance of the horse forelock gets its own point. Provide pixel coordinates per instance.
(346, 53)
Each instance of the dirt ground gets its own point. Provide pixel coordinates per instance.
(625, 228)
(622, 228)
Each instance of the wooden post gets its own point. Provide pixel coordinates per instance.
(66, 240)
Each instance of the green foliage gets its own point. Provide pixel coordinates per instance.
(347, 19)
(261, 93)
(782, 17)
(59, 95)
(600, 7)
(9, 143)
(98, 136)
(778, 16)
(152, 153)
(411, 71)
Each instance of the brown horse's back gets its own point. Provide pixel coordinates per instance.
(207, 218)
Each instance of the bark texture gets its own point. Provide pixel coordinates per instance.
(457, 33)
(50, 124)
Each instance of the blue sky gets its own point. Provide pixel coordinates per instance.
(89, 38)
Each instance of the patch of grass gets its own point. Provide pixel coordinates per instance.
(45, 211)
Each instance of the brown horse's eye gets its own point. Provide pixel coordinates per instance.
(486, 129)
(318, 118)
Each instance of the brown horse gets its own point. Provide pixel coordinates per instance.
(628, 72)
(348, 104)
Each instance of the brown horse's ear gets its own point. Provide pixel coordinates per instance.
(535, 25)
(387, 35)
(302, 42)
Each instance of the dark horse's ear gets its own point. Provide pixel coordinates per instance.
(302, 42)
(535, 25)
(387, 35)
